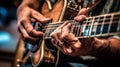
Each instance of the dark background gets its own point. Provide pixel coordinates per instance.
(9, 34)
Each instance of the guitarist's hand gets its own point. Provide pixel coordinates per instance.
(27, 16)
(66, 41)
(70, 45)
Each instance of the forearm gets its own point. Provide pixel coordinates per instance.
(107, 48)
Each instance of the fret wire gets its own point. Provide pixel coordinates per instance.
(75, 30)
(99, 35)
(111, 19)
(88, 24)
(49, 26)
(87, 27)
(106, 18)
(71, 30)
(79, 27)
(118, 27)
(46, 34)
(80, 31)
(103, 22)
(91, 26)
(96, 24)
(84, 26)
(77, 24)
(80, 34)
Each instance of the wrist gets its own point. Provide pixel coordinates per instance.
(101, 47)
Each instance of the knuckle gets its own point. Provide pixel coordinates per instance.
(64, 36)
(29, 29)
(52, 34)
(18, 24)
(35, 13)
(23, 20)
(59, 31)
(26, 37)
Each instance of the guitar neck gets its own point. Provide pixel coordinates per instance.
(102, 25)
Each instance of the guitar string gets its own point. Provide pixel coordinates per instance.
(54, 26)
(100, 20)
(79, 27)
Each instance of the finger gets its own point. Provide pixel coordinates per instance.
(54, 42)
(33, 19)
(69, 37)
(26, 23)
(66, 30)
(57, 45)
(64, 24)
(39, 16)
(35, 33)
(72, 41)
(82, 14)
(25, 35)
(83, 11)
(62, 47)
(73, 47)
(29, 28)
(55, 35)
(80, 18)
(69, 51)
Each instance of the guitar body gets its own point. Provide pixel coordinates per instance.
(56, 12)
(46, 54)
(43, 56)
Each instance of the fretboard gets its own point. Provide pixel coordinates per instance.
(102, 25)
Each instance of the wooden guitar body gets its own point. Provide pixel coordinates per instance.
(43, 54)
(61, 10)
(57, 11)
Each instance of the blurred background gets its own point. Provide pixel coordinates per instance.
(9, 34)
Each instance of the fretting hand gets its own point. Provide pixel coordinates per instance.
(70, 45)
(66, 41)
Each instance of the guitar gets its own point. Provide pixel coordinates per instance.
(96, 26)
(59, 11)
